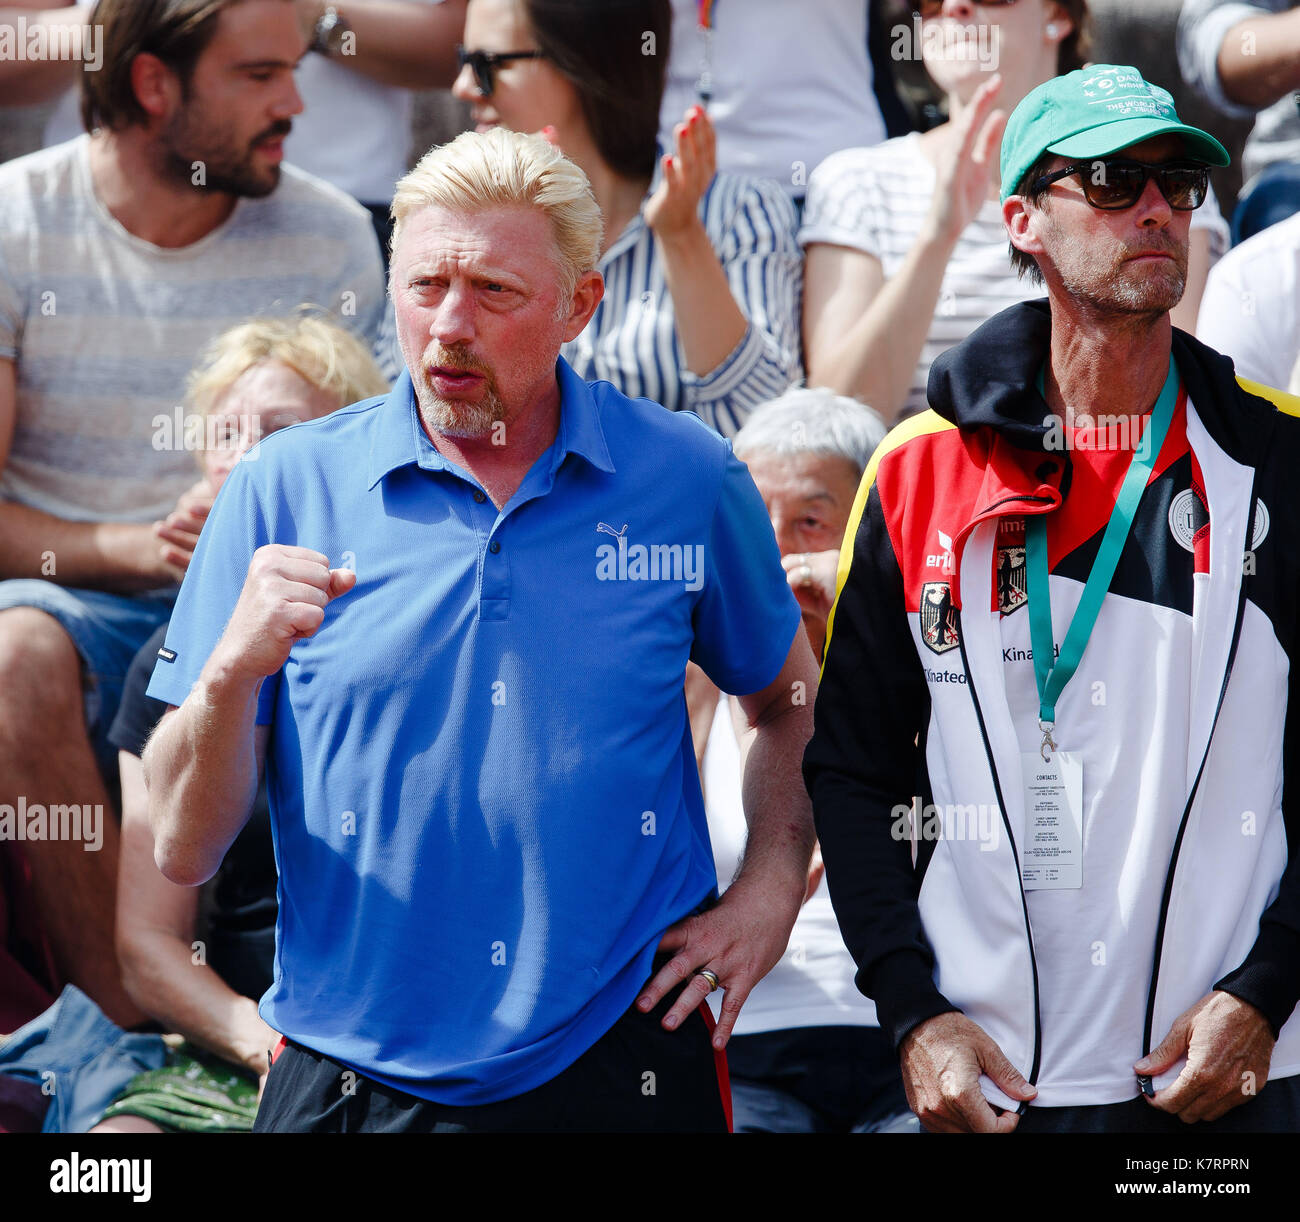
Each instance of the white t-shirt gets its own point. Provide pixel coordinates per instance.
(791, 83)
(876, 200)
(1251, 307)
(103, 327)
(812, 985)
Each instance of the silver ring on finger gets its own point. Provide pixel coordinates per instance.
(711, 977)
(805, 574)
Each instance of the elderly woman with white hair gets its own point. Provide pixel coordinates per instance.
(807, 1054)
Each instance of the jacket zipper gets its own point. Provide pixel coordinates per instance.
(1011, 840)
(1002, 806)
(1144, 1081)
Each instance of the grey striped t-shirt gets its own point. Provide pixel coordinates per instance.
(103, 327)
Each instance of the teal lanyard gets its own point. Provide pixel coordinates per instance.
(1053, 678)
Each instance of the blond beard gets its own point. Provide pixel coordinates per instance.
(457, 419)
(454, 417)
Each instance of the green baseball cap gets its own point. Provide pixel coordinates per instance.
(1093, 112)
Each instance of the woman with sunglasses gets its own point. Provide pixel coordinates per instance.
(702, 271)
(906, 251)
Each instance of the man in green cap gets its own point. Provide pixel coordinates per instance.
(1067, 621)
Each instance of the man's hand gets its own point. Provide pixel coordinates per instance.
(1228, 1044)
(179, 530)
(740, 940)
(942, 1059)
(283, 600)
(812, 578)
(687, 172)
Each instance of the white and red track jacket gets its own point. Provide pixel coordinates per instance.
(1185, 759)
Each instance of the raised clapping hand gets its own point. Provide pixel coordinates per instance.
(942, 1059)
(1228, 1045)
(283, 600)
(963, 179)
(687, 172)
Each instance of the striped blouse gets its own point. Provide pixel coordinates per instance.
(632, 341)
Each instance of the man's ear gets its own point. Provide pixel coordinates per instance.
(586, 297)
(1020, 220)
(156, 87)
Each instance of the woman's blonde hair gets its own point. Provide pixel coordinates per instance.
(309, 342)
(500, 168)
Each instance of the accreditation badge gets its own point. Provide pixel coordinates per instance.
(1051, 857)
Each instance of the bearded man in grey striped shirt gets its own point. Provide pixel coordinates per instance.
(122, 253)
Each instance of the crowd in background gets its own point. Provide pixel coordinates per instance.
(797, 223)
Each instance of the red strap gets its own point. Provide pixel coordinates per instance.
(280, 1046)
(720, 1063)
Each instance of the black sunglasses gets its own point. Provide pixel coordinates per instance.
(1115, 183)
(485, 63)
(932, 8)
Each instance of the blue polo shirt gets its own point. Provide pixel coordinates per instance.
(483, 790)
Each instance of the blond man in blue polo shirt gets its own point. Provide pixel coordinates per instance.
(453, 623)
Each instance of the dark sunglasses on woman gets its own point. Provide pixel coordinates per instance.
(485, 63)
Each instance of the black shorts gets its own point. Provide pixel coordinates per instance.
(637, 1078)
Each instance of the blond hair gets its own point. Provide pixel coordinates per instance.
(315, 347)
(501, 168)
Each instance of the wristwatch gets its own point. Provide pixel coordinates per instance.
(327, 37)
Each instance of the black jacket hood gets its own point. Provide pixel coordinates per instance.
(990, 380)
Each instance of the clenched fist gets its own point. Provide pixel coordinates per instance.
(283, 600)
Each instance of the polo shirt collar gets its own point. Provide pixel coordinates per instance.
(399, 438)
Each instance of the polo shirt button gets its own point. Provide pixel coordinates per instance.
(494, 546)
(478, 496)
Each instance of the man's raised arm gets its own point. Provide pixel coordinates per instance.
(203, 762)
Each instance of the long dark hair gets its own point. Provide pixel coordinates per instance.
(615, 54)
(1073, 50)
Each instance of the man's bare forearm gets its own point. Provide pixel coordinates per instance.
(1259, 60)
(777, 807)
(124, 557)
(161, 977)
(201, 769)
(397, 42)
